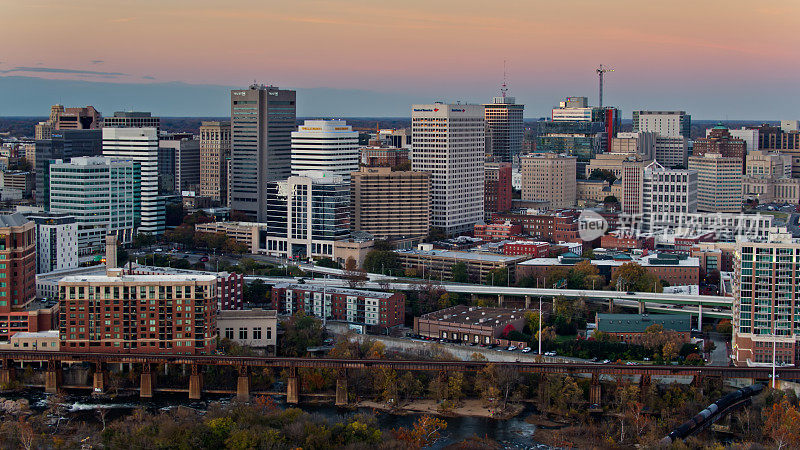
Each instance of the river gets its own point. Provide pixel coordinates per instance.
(512, 433)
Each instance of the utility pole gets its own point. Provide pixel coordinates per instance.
(540, 326)
(600, 72)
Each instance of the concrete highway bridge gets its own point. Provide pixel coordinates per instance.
(697, 305)
(145, 364)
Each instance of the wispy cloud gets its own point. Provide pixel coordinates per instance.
(63, 71)
(97, 61)
(147, 77)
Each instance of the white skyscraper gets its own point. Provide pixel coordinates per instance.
(667, 196)
(448, 140)
(673, 131)
(325, 145)
(140, 145)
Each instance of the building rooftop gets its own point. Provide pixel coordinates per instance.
(652, 260)
(137, 278)
(333, 290)
(638, 323)
(35, 335)
(467, 256)
(255, 313)
(13, 220)
(475, 315)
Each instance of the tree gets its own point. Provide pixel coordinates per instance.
(781, 424)
(256, 292)
(497, 383)
(459, 271)
(603, 174)
(724, 327)
(633, 277)
(381, 261)
(497, 277)
(435, 234)
(586, 276)
(329, 263)
(532, 322)
(425, 432)
(355, 276)
(300, 333)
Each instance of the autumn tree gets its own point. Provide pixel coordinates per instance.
(498, 384)
(633, 277)
(532, 319)
(355, 277)
(425, 432)
(781, 424)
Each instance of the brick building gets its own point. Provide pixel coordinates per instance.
(630, 327)
(626, 241)
(557, 226)
(719, 140)
(530, 248)
(470, 324)
(497, 231)
(376, 156)
(375, 309)
(230, 285)
(497, 188)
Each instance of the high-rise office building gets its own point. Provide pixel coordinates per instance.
(764, 294)
(497, 188)
(642, 143)
(748, 135)
(262, 121)
(325, 145)
(719, 182)
(133, 119)
(63, 145)
(783, 140)
(768, 178)
(549, 178)
(186, 153)
(56, 241)
(61, 118)
(720, 141)
(504, 128)
(667, 195)
(215, 150)
(102, 194)
(140, 145)
(673, 130)
(306, 214)
(448, 141)
(390, 204)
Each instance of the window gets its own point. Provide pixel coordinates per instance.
(257, 333)
(228, 333)
(242, 333)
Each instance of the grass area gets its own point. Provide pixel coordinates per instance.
(566, 338)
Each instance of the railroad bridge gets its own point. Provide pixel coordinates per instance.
(54, 362)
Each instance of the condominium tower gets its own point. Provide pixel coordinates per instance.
(326, 145)
(215, 150)
(140, 145)
(262, 121)
(448, 141)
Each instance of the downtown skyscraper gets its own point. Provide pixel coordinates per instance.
(262, 121)
(504, 128)
(448, 140)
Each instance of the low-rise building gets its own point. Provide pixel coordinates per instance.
(630, 327)
(552, 226)
(430, 263)
(356, 246)
(255, 328)
(473, 324)
(530, 248)
(245, 233)
(626, 241)
(497, 231)
(379, 310)
(43, 341)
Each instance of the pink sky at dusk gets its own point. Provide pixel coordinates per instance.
(454, 47)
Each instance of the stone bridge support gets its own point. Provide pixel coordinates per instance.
(147, 381)
(7, 372)
(595, 391)
(293, 387)
(195, 383)
(527, 302)
(52, 377)
(341, 387)
(642, 308)
(99, 378)
(243, 385)
(501, 299)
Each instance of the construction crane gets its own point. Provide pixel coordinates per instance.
(600, 72)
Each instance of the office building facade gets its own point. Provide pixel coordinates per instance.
(62, 145)
(720, 141)
(325, 145)
(663, 123)
(504, 128)
(390, 204)
(781, 139)
(215, 150)
(56, 242)
(549, 178)
(140, 145)
(448, 141)
(497, 188)
(719, 182)
(102, 194)
(667, 195)
(133, 119)
(186, 154)
(262, 121)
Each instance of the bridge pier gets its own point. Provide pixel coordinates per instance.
(293, 387)
(341, 388)
(146, 381)
(473, 298)
(700, 317)
(642, 309)
(99, 378)
(527, 302)
(611, 305)
(7, 372)
(595, 391)
(195, 383)
(52, 378)
(500, 300)
(243, 385)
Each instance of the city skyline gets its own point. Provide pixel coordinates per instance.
(665, 58)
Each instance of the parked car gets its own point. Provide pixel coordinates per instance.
(526, 350)
(204, 259)
(606, 361)
(511, 348)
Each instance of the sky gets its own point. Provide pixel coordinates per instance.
(732, 59)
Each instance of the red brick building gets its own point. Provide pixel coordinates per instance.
(18, 309)
(534, 249)
(558, 226)
(375, 309)
(625, 242)
(230, 285)
(497, 188)
(496, 231)
(719, 140)
(383, 156)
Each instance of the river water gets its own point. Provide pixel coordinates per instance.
(512, 433)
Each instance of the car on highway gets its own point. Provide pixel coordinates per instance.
(631, 293)
(550, 353)
(204, 259)
(511, 348)
(526, 350)
(606, 361)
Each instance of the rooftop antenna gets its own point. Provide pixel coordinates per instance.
(504, 86)
(600, 72)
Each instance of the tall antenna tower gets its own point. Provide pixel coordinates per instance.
(504, 86)
(600, 72)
